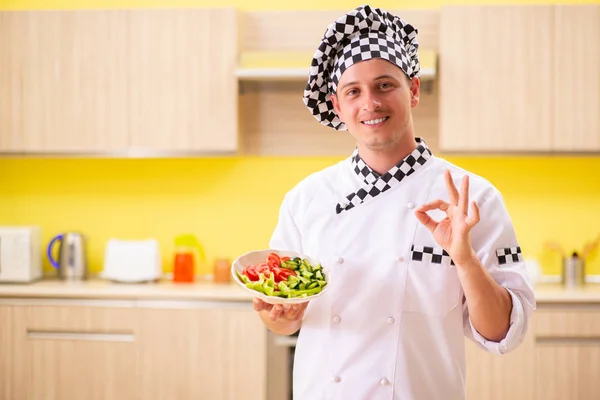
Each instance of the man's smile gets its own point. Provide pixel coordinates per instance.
(374, 122)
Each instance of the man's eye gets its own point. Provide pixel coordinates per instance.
(351, 92)
(385, 85)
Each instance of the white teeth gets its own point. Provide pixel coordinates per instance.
(375, 121)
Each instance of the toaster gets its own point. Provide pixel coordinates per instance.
(132, 261)
(20, 253)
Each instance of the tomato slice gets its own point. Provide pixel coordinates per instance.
(275, 272)
(271, 266)
(251, 273)
(285, 273)
(273, 260)
(262, 268)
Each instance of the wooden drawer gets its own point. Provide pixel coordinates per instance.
(76, 352)
(567, 321)
(81, 319)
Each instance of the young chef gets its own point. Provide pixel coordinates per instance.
(420, 251)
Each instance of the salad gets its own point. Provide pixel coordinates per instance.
(284, 277)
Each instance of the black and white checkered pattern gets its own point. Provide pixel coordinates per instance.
(507, 255)
(362, 34)
(434, 255)
(376, 184)
(365, 47)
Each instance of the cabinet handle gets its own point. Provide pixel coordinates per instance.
(568, 340)
(86, 336)
(285, 341)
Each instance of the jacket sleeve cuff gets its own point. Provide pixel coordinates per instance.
(515, 333)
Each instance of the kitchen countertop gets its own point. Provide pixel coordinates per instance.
(209, 291)
(103, 289)
(556, 293)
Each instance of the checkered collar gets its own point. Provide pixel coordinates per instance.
(375, 184)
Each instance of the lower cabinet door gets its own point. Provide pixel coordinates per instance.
(7, 351)
(568, 369)
(216, 352)
(500, 377)
(73, 353)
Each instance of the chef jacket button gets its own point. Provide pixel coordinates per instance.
(336, 379)
(336, 319)
(383, 382)
(410, 205)
(340, 260)
(400, 259)
(391, 320)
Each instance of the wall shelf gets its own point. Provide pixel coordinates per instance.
(266, 66)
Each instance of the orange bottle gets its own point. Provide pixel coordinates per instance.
(222, 270)
(188, 257)
(183, 267)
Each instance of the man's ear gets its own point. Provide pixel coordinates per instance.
(335, 103)
(415, 91)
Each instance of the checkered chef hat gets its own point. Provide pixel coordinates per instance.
(362, 34)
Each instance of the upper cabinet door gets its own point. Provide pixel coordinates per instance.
(577, 78)
(183, 85)
(496, 82)
(63, 81)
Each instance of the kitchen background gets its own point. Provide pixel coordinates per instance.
(231, 202)
(541, 114)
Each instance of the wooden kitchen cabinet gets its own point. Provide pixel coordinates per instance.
(75, 352)
(567, 352)
(113, 81)
(501, 377)
(568, 371)
(559, 359)
(520, 78)
(203, 353)
(183, 90)
(63, 81)
(120, 350)
(7, 379)
(496, 81)
(577, 78)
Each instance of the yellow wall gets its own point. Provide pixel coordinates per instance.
(232, 203)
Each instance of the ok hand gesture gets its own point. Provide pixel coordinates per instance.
(453, 232)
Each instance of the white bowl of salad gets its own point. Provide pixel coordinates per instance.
(280, 277)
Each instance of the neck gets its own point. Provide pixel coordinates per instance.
(382, 160)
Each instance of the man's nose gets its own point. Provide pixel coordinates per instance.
(372, 102)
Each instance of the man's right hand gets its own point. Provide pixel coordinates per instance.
(280, 319)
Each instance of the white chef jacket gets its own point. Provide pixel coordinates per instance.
(391, 327)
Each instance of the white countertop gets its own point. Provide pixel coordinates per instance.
(167, 290)
(555, 292)
(102, 289)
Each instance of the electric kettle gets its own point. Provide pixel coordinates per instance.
(72, 256)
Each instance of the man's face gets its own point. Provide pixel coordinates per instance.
(374, 99)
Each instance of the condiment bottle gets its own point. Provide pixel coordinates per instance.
(188, 257)
(222, 270)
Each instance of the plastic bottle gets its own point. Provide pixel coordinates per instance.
(188, 258)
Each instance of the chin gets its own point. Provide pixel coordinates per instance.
(378, 144)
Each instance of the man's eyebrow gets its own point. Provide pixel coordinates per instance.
(385, 77)
(380, 77)
(348, 84)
